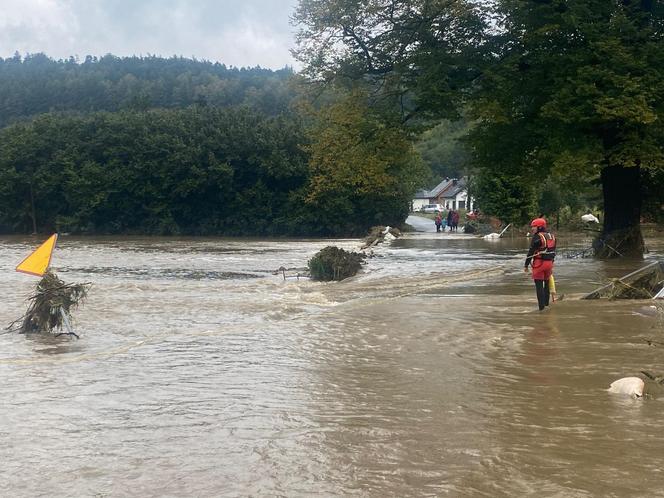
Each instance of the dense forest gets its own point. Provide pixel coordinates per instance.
(36, 84)
(549, 106)
(177, 146)
(197, 170)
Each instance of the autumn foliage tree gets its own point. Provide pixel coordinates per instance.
(362, 170)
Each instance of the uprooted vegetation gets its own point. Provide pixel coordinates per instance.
(333, 263)
(379, 234)
(49, 306)
(644, 283)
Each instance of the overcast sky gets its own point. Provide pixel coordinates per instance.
(234, 32)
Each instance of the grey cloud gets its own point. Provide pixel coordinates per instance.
(235, 32)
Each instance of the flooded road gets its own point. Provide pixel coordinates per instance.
(201, 373)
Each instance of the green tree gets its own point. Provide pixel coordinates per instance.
(562, 88)
(416, 55)
(653, 199)
(362, 171)
(198, 170)
(509, 197)
(443, 149)
(576, 89)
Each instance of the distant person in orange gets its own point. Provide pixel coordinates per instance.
(450, 218)
(439, 221)
(455, 221)
(540, 257)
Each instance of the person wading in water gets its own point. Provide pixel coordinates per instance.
(540, 256)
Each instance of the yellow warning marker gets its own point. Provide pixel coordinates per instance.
(37, 262)
(552, 287)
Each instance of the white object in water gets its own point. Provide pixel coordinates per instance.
(630, 386)
(589, 218)
(387, 236)
(494, 236)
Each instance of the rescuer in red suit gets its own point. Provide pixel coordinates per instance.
(540, 257)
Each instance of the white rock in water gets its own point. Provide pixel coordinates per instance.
(631, 386)
(491, 236)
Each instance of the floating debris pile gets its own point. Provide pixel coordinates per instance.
(644, 283)
(380, 234)
(333, 263)
(50, 306)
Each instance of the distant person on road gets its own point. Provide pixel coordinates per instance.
(450, 218)
(439, 221)
(455, 221)
(540, 257)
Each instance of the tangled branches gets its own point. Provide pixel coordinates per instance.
(50, 305)
(333, 263)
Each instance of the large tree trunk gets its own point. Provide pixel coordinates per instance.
(621, 235)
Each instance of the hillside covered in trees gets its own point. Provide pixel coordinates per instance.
(36, 84)
(178, 146)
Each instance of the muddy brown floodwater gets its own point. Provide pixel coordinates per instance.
(200, 373)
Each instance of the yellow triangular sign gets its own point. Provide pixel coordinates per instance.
(38, 261)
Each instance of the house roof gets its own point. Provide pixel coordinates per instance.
(456, 187)
(441, 187)
(448, 188)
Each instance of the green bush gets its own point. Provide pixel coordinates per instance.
(333, 263)
(471, 227)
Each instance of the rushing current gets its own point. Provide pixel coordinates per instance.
(201, 371)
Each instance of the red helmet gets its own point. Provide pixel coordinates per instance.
(538, 222)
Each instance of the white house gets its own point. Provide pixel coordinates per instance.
(451, 193)
(456, 196)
